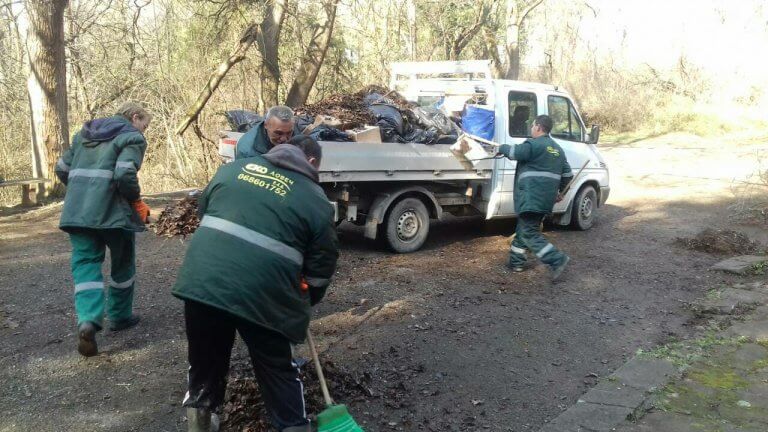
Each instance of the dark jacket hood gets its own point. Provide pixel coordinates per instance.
(105, 129)
(290, 157)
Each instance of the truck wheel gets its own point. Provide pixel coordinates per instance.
(407, 225)
(584, 210)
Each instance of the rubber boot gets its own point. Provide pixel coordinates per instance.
(558, 270)
(126, 323)
(86, 339)
(201, 420)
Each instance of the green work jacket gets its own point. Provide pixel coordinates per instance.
(100, 171)
(265, 223)
(255, 142)
(542, 171)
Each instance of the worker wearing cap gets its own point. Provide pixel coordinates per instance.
(103, 209)
(542, 173)
(265, 225)
(276, 128)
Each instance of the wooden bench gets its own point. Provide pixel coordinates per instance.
(28, 195)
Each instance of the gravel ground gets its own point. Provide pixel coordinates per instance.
(446, 338)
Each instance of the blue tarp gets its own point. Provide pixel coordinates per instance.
(478, 121)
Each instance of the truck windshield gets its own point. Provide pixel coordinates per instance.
(522, 112)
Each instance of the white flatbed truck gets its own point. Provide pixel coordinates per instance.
(394, 189)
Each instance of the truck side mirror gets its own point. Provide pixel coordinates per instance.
(593, 135)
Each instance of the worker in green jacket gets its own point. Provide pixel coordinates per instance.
(276, 128)
(103, 209)
(265, 227)
(542, 173)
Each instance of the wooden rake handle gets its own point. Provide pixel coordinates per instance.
(319, 369)
(570, 183)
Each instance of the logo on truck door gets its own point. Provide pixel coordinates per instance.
(261, 176)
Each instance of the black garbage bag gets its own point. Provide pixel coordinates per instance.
(242, 120)
(301, 122)
(421, 136)
(434, 119)
(388, 117)
(320, 132)
(329, 133)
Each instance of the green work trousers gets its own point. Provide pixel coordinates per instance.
(88, 253)
(528, 237)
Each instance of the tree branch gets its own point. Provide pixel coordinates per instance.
(528, 10)
(237, 55)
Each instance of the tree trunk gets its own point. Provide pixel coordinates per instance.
(238, 55)
(513, 53)
(515, 17)
(47, 88)
(492, 52)
(269, 44)
(313, 59)
(412, 29)
(512, 48)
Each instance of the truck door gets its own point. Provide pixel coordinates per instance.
(514, 118)
(568, 131)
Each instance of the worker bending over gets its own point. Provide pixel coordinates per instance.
(265, 225)
(276, 128)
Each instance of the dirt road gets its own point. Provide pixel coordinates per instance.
(454, 341)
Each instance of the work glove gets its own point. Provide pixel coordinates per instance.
(141, 209)
(504, 149)
(314, 296)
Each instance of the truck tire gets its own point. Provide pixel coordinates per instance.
(406, 225)
(584, 211)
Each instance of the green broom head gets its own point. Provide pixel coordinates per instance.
(336, 418)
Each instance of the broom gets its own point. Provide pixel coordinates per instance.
(334, 418)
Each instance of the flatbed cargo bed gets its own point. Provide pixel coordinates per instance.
(359, 161)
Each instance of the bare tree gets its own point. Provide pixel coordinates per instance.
(515, 18)
(313, 58)
(269, 44)
(462, 35)
(237, 55)
(47, 86)
(412, 28)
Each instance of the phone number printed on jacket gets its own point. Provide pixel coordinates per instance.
(260, 176)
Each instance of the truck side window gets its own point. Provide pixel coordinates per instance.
(565, 121)
(522, 112)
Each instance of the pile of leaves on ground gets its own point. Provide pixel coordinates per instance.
(723, 242)
(178, 218)
(385, 383)
(244, 410)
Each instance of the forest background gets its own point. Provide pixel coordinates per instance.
(637, 68)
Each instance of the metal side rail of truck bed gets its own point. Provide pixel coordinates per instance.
(374, 162)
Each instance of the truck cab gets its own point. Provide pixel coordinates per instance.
(516, 104)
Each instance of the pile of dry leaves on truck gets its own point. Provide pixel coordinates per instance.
(331, 118)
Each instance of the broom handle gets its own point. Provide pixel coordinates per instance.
(570, 183)
(319, 369)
